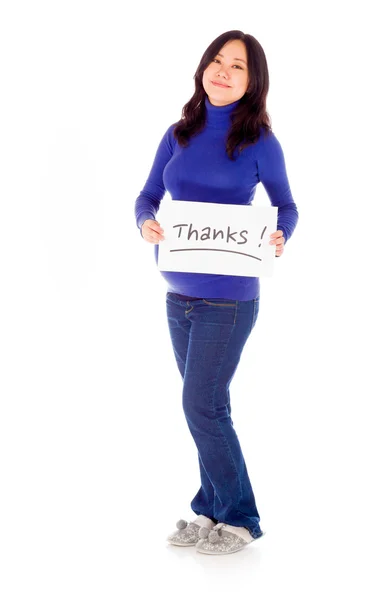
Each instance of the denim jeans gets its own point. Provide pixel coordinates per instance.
(208, 336)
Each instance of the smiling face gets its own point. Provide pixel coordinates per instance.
(226, 79)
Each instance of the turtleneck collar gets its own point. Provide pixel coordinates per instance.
(219, 116)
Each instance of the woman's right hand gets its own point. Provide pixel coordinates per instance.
(152, 231)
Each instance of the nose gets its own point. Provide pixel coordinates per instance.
(222, 72)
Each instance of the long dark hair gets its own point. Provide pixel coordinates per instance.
(250, 113)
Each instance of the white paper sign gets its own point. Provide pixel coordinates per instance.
(223, 239)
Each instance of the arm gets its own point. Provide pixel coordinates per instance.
(272, 174)
(147, 203)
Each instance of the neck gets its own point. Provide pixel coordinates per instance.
(219, 116)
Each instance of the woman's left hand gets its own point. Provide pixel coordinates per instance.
(278, 239)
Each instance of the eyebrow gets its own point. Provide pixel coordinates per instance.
(219, 54)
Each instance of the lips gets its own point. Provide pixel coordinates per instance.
(220, 84)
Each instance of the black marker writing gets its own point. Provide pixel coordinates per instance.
(263, 231)
(207, 233)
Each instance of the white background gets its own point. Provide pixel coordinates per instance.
(96, 460)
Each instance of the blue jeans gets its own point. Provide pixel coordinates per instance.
(208, 336)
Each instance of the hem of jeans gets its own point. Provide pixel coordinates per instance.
(255, 534)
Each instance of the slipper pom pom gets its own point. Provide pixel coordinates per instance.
(213, 536)
(203, 532)
(181, 524)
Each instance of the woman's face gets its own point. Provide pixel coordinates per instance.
(229, 70)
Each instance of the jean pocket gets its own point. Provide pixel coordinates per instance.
(219, 302)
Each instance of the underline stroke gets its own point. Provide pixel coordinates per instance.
(215, 250)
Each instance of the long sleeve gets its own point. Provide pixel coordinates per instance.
(147, 203)
(272, 174)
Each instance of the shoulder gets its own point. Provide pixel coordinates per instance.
(268, 144)
(267, 137)
(167, 142)
(169, 136)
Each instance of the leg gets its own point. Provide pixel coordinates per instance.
(179, 328)
(219, 331)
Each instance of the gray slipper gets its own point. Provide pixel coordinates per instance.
(223, 539)
(187, 532)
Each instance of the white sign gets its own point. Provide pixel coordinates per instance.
(223, 239)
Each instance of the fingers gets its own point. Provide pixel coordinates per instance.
(152, 231)
(277, 238)
(278, 241)
(278, 233)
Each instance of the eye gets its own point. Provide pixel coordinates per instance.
(216, 60)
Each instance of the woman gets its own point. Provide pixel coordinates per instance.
(218, 152)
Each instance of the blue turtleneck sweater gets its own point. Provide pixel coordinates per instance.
(202, 172)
